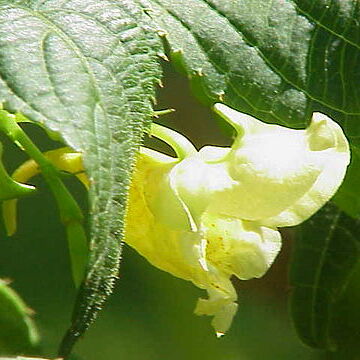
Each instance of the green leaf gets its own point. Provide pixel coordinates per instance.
(326, 253)
(276, 60)
(273, 59)
(348, 196)
(17, 330)
(85, 70)
(346, 321)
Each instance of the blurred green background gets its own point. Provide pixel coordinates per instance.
(150, 316)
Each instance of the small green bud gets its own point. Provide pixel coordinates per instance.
(9, 188)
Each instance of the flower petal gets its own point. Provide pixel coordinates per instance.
(243, 248)
(282, 174)
(181, 252)
(328, 141)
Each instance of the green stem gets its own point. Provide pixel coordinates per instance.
(70, 213)
(181, 145)
(158, 113)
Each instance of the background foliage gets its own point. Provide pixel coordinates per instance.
(87, 72)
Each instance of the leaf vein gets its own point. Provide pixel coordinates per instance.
(319, 23)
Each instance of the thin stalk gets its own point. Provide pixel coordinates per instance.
(181, 145)
(70, 213)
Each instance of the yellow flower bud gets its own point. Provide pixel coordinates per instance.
(65, 159)
(205, 216)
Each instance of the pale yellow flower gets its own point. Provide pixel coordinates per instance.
(205, 216)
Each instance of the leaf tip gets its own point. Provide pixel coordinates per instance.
(162, 56)
(162, 33)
